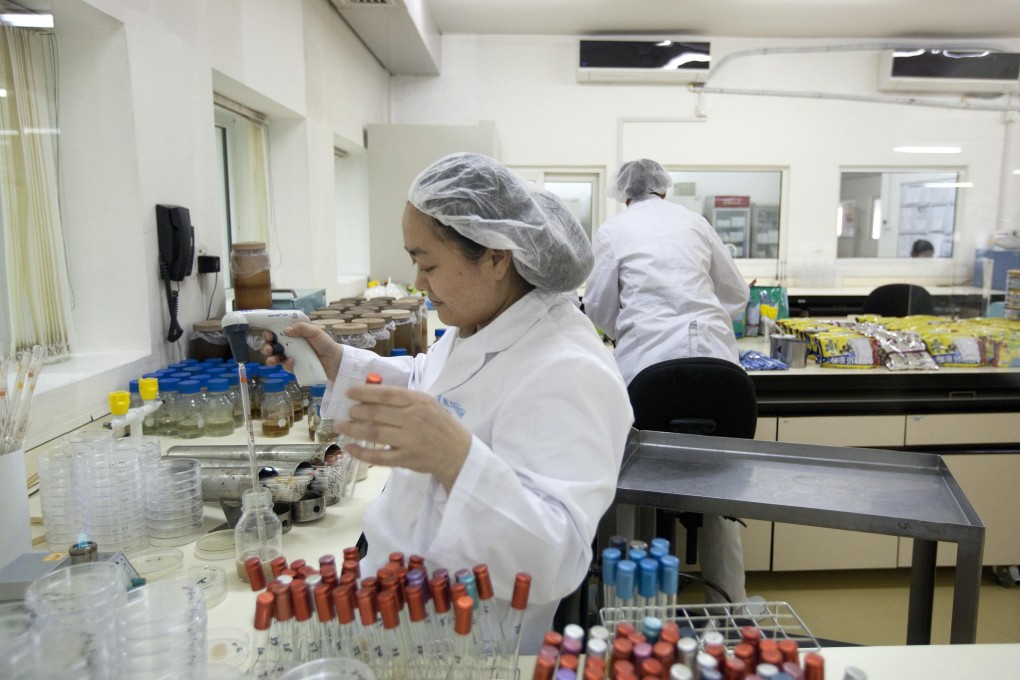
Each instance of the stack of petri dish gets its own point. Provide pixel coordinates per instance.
(161, 632)
(111, 487)
(173, 502)
(19, 642)
(58, 495)
(76, 610)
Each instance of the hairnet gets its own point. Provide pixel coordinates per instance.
(482, 200)
(638, 180)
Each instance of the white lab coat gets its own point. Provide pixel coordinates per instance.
(549, 415)
(664, 287)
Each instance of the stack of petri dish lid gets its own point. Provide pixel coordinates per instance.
(161, 632)
(58, 495)
(76, 610)
(173, 502)
(111, 487)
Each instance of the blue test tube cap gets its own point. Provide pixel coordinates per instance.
(625, 573)
(648, 577)
(637, 554)
(669, 574)
(618, 542)
(657, 552)
(651, 628)
(610, 558)
(661, 542)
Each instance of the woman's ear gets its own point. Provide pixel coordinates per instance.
(502, 262)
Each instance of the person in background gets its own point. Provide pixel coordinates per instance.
(505, 439)
(922, 248)
(665, 287)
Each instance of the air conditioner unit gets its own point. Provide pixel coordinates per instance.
(642, 61)
(948, 70)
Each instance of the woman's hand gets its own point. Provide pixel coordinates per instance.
(420, 434)
(326, 348)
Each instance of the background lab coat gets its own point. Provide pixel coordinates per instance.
(549, 416)
(658, 268)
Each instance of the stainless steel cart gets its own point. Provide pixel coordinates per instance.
(897, 493)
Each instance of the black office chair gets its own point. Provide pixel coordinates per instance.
(696, 395)
(898, 299)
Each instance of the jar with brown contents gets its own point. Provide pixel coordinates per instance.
(249, 272)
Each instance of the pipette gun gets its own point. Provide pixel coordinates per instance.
(307, 368)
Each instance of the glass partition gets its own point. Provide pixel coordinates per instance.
(742, 205)
(897, 213)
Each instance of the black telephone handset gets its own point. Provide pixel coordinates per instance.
(176, 242)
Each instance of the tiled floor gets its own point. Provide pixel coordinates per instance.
(869, 607)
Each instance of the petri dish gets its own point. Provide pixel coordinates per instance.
(216, 545)
(229, 646)
(211, 579)
(330, 669)
(156, 563)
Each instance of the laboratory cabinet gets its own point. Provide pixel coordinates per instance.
(765, 231)
(730, 216)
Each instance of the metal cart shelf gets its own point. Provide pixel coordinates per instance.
(897, 493)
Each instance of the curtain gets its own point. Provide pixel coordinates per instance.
(37, 287)
(259, 181)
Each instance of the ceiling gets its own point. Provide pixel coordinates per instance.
(875, 19)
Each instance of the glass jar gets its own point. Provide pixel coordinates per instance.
(296, 396)
(403, 331)
(249, 272)
(207, 341)
(353, 334)
(191, 423)
(219, 409)
(317, 392)
(417, 308)
(167, 415)
(383, 336)
(276, 412)
(235, 395)
(258, 533)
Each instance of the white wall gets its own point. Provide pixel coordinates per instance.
(526, 85)
(136, 116)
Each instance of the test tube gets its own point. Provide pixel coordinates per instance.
(329, 631)
(687, 652)
(306, 633)
(518, 605)
(424, 634)
(610, 558)
(394, 640)
(489, 615)
(366, 633)
(347, 644)
(462, 658)
(625, 573)
(262, 665)
(283, 626)
(669, 585)
(648, 585)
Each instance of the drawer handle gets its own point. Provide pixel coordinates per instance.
(963, 394)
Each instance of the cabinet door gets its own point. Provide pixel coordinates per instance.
(797, 547)
(991, 483)
(755, 538)
(873, 431)
(766, 429)
(962, 428)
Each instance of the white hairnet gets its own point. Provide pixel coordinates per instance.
(482, 200)
(638, 180)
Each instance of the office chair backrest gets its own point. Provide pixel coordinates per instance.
(696, 395)
(898, 299)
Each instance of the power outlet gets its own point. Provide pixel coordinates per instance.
(208, 264)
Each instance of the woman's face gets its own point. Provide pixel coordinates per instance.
(467, 294)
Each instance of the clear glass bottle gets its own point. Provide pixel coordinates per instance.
(219, 409)
(235, 393)
(258, 533)
(276, 411)
(167, 415)
(151, 390)
(191, 423)
(317, 392)
(296, 397)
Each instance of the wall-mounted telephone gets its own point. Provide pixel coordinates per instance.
(176, 242)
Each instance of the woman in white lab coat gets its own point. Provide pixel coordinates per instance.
(506, 438)
(664, 285)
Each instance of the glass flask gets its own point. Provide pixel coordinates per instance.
(276, 409)
(219, 409)
(191, 421)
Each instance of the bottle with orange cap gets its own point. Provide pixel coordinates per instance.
(262, 663)
(463, 654)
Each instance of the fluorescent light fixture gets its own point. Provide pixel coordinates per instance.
(839, 221)
(1017, 171)
(3, 92)
(927, 149)
(27, 20)
(949, 185)
(42, 131)
(876, 219)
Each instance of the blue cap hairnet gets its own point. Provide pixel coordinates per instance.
(482, 200)
(638, 180)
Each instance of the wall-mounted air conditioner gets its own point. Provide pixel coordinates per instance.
(948, 70)
(642, 61)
